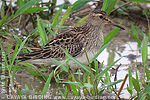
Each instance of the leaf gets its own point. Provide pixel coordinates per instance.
(106, 69)
(65, 16)
(37, 73)
(51, 31)
(134, 36)
(19, 41)
(78, 4)
(56, 17)
(42, 32)
(130, 88)
(47, 84)
(111, 35)
(144, 51)
(74, 89)
(20, 3)
(108, 5)
(77, 62)
(109, 84)
(97, 54)
(144, 95)
(34, 9)
(136, 84)
(25, 7)
(81, 22)
(140, 1)
(60, 64)
(75, 83)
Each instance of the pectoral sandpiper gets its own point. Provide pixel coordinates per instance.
(89, 37)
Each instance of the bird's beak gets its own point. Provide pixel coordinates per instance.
(108, 21)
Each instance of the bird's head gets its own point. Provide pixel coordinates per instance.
(99, 17)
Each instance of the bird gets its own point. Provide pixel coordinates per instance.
(76, 40)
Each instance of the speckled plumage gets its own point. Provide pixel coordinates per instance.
(75, 40)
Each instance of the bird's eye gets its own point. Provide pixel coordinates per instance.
(101, 16)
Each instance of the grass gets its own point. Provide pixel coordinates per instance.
(89, 80)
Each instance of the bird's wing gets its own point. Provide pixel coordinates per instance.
(70, 41)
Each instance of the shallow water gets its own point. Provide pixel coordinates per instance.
(122, 46)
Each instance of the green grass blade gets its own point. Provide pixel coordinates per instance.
(19, 41)
(42, 32)
(108, 5)
(4, 55)
(25, 7)
(65, 16)
(136, 84)
(111, 35)
(134, 36)
(140, 1)
(56, 17)
(34, 71)
(134, 30)
(81, 22)
(47, 84)
(144, 51)
(79, 3)
(60, 64)
(74, 89)
(77, 62)
(144, 95)
(109, 84)
(106, 69)
(51, 31)
(105, 5)
(140, 31)
(79, 84)
(130, 88)
(20, 3)
(34, 10)
(97, 54)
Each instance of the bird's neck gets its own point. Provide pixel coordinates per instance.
(94, 35)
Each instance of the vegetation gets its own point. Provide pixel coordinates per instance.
(91, 80)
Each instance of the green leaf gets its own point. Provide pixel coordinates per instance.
(65, 16)
(109, 84)
(60, 64)
(42, 32)
(144, 51)
(31, 69)
(47, 84)
(140, 31)
(130, 88)
(25, 7)
(140, 1)
(81, 22)
(79, 3)
(56, 17)
(136, 84)
(75, 83)
(19, 41)
(106, 69)
(77, 62)
(51, 31)
(88, 85)
(74, 89)
(97, 54)
(20, 3)
(134, 36)
(34, 9)
(108, 5)
(111, 35)
(145, 94)
(4, 55)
